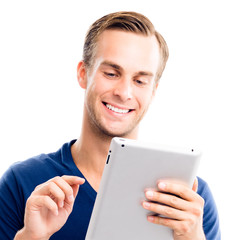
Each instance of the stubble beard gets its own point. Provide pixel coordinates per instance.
(99, 127)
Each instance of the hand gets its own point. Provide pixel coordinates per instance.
(183, 210)
(49, 206)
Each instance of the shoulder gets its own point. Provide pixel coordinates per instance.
(210, 216)
(48, 165)
(24, 176)
(29, 173)
(203, 188)
(205, 192)
(18, 182)
(35, 167)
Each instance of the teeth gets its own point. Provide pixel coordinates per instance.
(117, 110)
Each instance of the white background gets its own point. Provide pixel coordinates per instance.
(197, 103)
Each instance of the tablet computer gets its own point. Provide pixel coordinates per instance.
(131, 167)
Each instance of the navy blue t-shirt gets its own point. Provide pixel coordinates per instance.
(20, 180)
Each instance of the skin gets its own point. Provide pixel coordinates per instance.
(121, 77)
(48, 207)
(185, 211)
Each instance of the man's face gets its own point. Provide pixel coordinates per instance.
(120, 84)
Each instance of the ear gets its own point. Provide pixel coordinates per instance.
(154, 90)
(82, 75)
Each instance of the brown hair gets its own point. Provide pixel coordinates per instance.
(125, 21)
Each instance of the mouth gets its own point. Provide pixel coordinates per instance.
(117, 109)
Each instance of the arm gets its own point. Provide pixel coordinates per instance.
(48, 207)
(184, 209)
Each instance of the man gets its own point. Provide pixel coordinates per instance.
(40, 198)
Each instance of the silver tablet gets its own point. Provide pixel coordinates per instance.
(131, 167)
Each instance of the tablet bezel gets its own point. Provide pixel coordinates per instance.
(117, 212)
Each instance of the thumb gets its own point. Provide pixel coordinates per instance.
(195, 185)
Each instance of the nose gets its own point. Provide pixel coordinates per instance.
(124, 90)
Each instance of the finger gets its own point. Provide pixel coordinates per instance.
(177, 189)
(164, 210)
(60, 189)
(72, 180)
(195, 185)
(75, 189)
(171, 223)
(35, 203)
(52, 190)
(167, 199)
(69, 185)
(66, 184)
(180, 228)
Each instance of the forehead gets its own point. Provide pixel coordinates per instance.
(133, 52)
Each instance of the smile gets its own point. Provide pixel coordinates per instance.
(116, 110)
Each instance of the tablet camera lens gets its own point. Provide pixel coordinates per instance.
(123, 145)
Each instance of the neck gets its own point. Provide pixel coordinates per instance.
(91, 149)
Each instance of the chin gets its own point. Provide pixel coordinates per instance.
(128, 133)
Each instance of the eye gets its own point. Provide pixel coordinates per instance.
(110, 75)
(140, 82)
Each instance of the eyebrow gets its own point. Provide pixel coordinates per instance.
(112, 65)
(119, 68)
(142, 73)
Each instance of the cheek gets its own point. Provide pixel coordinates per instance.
(98, 84)
(96, 89)
(145, 98)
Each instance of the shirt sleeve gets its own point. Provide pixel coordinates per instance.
(11, 206)
(210, 216)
